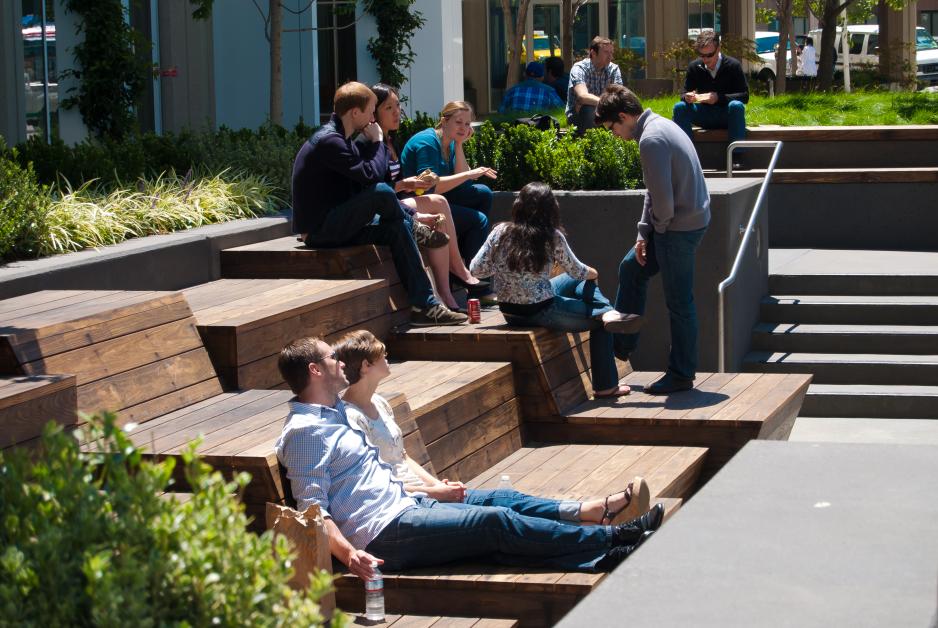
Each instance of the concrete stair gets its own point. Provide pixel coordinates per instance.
(870, 339)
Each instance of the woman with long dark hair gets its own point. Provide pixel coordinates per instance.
(431, 209)
(521, 254)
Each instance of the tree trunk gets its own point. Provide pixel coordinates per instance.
(276, 73)
(514, 37)
(566, 32)
(781, 55)
(826, 66)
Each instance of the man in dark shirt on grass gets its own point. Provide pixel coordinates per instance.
(340, 199)
(715, 91)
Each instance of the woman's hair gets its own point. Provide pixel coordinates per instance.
(452, 108)
(530, 236)
(383, 92)
(354, 348)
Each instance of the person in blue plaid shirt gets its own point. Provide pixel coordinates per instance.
(588, 80)
(531, 94)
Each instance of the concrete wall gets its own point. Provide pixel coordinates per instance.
(886, 216)
(601, 229)
(187, 99)
(437, 74)
(13, 101)
(165, 262)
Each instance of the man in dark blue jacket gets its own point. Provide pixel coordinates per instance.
(340, 199)
(715, 91)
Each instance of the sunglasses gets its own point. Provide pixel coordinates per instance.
(331, 356)
(708, 56)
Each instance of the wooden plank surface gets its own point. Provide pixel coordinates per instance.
(27, 404)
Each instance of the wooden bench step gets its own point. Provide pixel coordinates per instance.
(551, 368)
(245, 322)
(287, 258)
(722, 412)
(29, 402)
(536, 597)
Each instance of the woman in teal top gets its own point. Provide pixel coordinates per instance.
(441, 150)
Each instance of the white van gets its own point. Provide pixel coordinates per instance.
(864, 49)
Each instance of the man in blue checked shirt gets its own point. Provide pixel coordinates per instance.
(369, 517)
(531, 94)
(588, 79)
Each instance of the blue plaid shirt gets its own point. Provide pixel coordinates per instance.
(530, 95)
(596, 80)
(332, 465)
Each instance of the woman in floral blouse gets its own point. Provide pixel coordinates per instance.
(521, 255)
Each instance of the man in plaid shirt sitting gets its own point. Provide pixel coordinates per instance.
(531, 94)
(588, 80)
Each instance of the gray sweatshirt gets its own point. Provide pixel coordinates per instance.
(676, 198)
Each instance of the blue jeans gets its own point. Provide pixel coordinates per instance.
(523, 504)
(470, 204)
(349, 224)
(671, 253)
(584, 119)
(731, 117)
(578, 306)
(434, 533)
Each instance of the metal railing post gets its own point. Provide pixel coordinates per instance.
(747, 236)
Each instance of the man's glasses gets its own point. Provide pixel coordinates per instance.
(331, 355)
(708, 56)
(608, 124)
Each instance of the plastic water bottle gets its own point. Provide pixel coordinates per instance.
(374, 595)
(505, 483)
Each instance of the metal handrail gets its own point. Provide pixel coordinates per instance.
(747, 234)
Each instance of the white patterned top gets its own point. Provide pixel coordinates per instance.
(523, 287)
(384, 433)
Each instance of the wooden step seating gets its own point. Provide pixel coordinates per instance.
(28, 402)
(245, 322)
(536, 597)
(551, 368)
(418, 621)
(135, 353)
(722, 412)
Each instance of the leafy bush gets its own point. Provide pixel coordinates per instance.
(86, 540)
(23, 205)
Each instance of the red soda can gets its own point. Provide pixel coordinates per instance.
(475, 311)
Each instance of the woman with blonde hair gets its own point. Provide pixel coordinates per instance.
(431, 209)
(365, 364)
(441, 150)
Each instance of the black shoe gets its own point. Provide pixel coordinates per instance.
(669, 384)
(617, 554)
(435, 315)
(650, 521)
(428, 238)
(483, 287)
(618, 323)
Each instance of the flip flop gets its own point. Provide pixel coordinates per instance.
(621, 391)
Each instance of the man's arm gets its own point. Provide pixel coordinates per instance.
(738, 88)
(358, 561)
(583, 96)
(368, 167)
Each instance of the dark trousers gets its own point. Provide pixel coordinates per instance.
(350, 223)
(470, 204)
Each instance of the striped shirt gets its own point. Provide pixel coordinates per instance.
(596, 81)
(332, 465)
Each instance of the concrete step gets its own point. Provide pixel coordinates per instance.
(807, 337)
(849, 368)
(838, 283)
(853, 400)
(849, 310)
(865, 430)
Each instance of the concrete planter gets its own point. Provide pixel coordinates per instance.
(601, 228)
(163, 262)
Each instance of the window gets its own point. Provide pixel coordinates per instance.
(337, 50)
(929, 21)
(39, 68)
(627, 27)
(856, 43)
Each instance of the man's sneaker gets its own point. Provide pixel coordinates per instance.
(617, 554)
(428, 238)
(435, 315)
(630, 532)
(619, 323)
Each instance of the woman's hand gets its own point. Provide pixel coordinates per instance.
(410, 184)
(460, 140)
(640, 255)
(476, 173)
(431, 220)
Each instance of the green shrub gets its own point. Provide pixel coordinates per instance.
(86, 540)
(23, 205)
(613, 163)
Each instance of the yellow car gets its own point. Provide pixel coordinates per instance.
(542, 47)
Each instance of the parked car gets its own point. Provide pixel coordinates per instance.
(864, 50)
(766, 44)
(542, 46)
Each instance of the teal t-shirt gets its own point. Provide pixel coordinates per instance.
(423, 151)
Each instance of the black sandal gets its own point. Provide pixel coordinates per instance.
(637, 500)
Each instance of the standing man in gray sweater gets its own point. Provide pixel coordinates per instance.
(674, 220)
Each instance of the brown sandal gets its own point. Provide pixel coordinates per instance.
(637, 501)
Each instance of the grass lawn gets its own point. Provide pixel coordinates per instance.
(817, 109)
